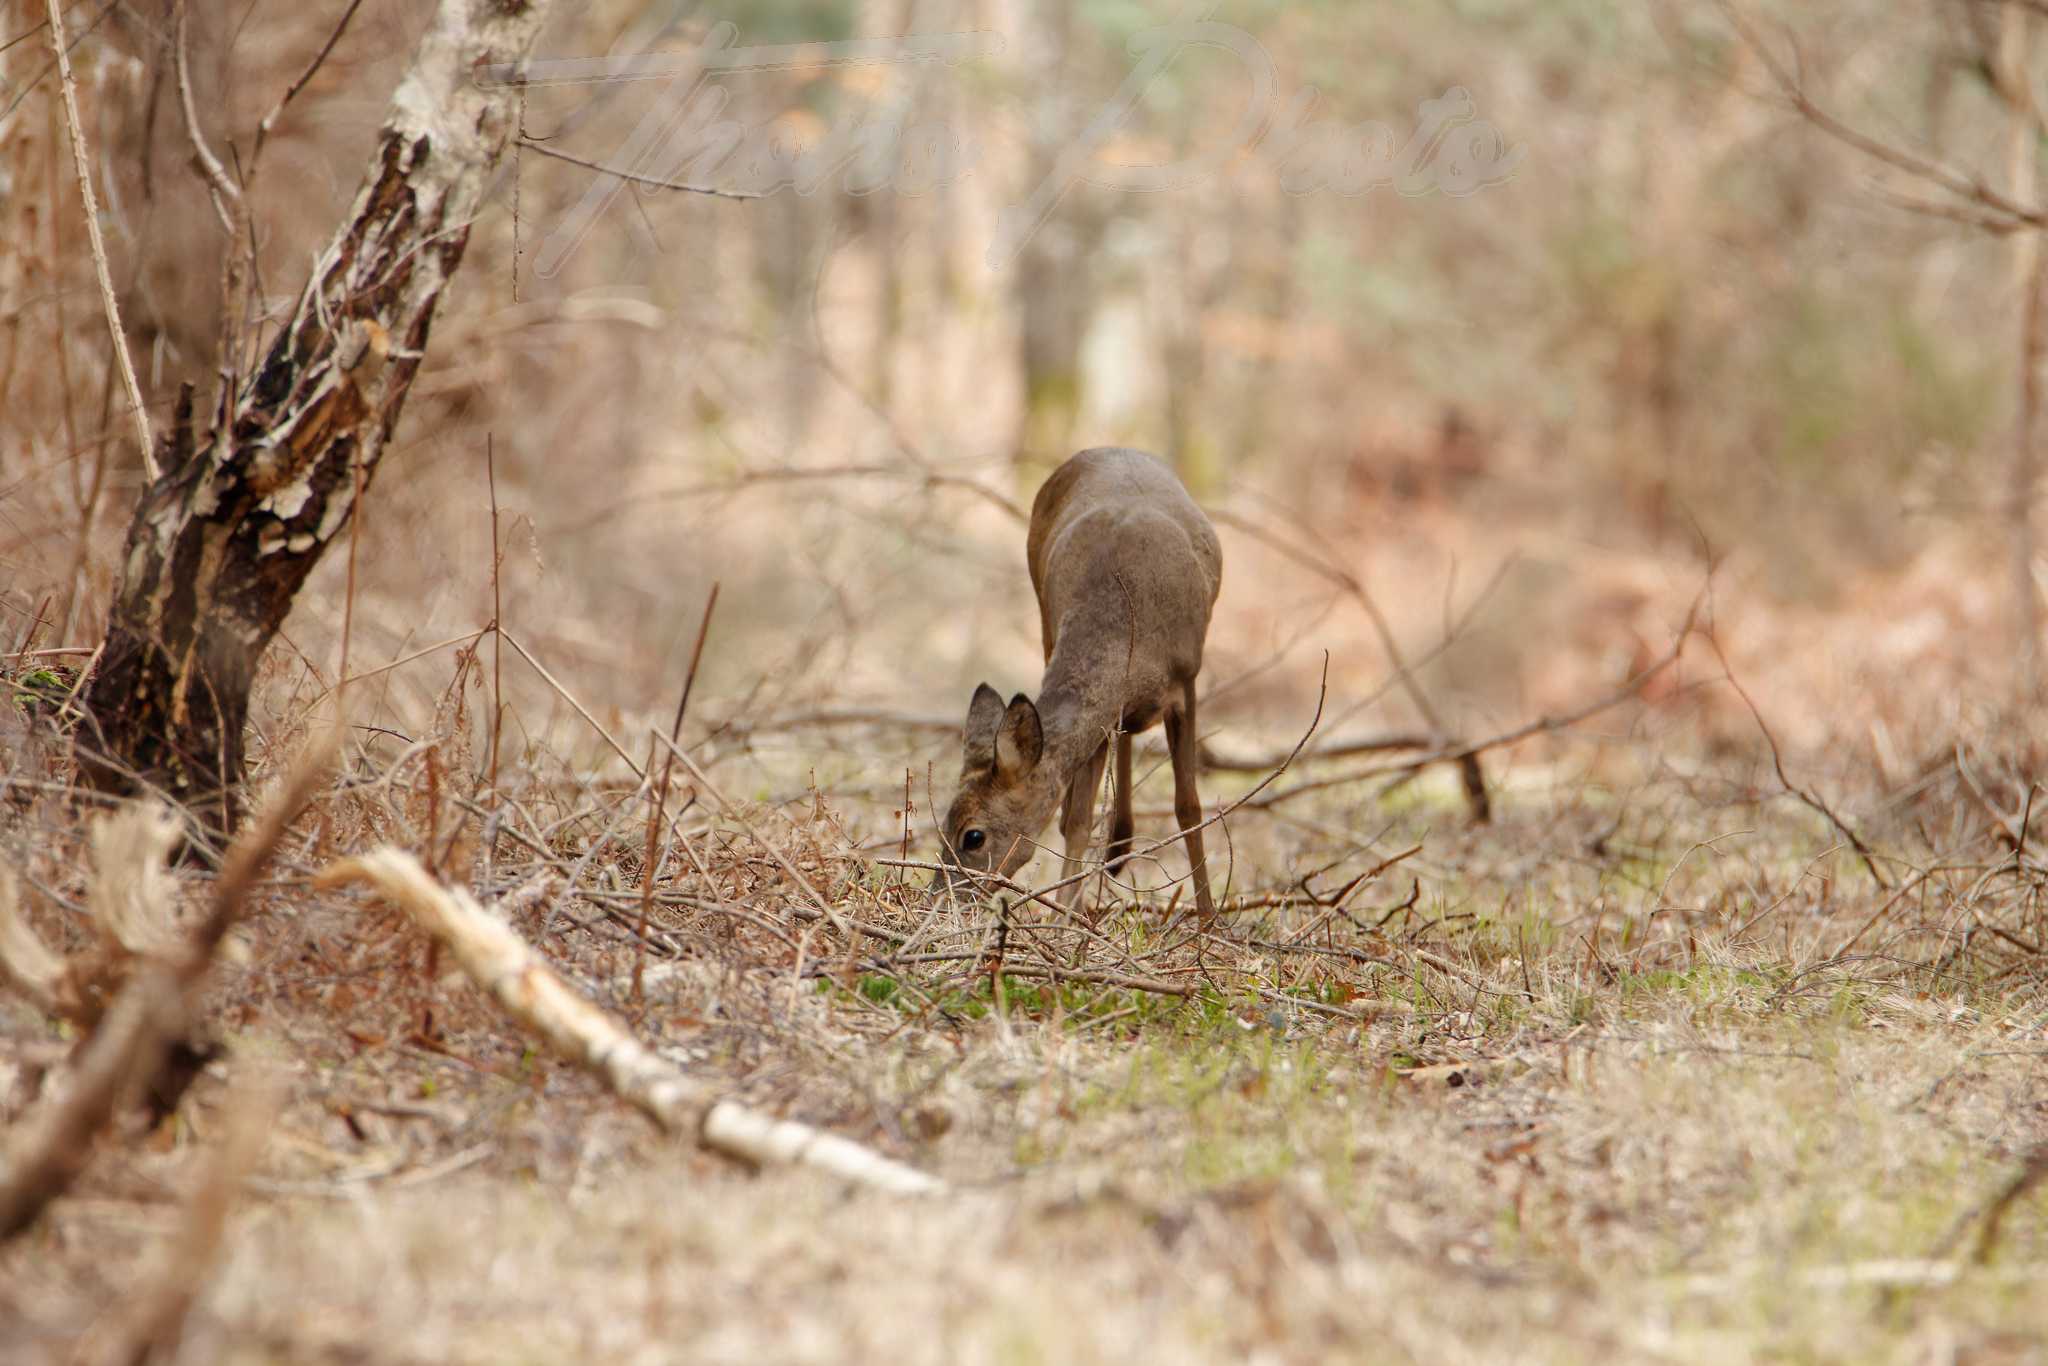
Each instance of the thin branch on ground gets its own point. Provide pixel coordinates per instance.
(507, 969)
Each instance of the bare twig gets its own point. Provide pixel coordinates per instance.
(222, 190)
(23, 89)
(54, 652)
(825, 907)
(821, 352)
(1542, 725)
(237, 256)
(253, 851)
(653, 182)
(847, 716)
(469, 638)
(82, 163)
(929, 477)
(570, 698)
(1335, 749)
(497, 604)
(1953, 213)
(1465, 757)
(1156, 986)
(291, 91)
(1778, 763)
(659, 806)
(1963, 186)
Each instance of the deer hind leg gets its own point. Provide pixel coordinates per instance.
(1075, 819)
(1184, 742)
(1121, 826)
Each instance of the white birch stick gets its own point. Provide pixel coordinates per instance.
(532, 993)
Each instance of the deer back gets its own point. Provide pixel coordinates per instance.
(1126, 568)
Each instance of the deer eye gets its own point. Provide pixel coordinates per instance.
(972, 840)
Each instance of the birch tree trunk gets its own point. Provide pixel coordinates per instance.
(223, 540)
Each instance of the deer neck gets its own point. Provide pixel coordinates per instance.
(1080, 700)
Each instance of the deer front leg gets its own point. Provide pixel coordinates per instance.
(1075, 819)
(1121, 826)
(1184, 743)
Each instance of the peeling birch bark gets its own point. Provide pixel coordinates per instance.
(222, 542)
(507, 969)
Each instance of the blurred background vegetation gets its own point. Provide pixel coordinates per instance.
(1688, 330)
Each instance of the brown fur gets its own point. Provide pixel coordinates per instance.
(1126, 569)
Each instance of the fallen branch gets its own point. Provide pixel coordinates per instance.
(1157, 986)
(142, 1041)
(741, 480)
(50, 1148)
(507, 969)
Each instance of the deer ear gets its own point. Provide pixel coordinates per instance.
(1020, 740)
(984, 715)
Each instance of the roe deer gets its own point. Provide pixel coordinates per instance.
(1126, 569)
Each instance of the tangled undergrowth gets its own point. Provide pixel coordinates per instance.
(1664, 1068)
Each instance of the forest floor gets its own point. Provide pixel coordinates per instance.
(1653, 1068)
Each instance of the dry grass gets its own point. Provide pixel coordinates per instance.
(1652, 1068)
(1657, 1072)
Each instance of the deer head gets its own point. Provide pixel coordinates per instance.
(1006, 794)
